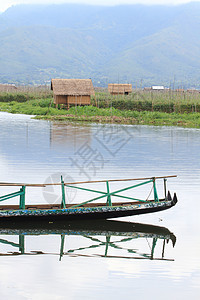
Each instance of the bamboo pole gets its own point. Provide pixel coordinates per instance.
(117, 180)
(23, 184)
(81, 182)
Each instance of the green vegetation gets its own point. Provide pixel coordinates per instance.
(168, 101)
(191, 120)
(139, 108)
(23, 94)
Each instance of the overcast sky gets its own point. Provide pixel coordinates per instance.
(4, 4)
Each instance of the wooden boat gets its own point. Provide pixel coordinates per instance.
(88, 209)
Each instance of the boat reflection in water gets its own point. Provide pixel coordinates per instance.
(90, 237)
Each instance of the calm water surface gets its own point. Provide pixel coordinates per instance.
(110, 261)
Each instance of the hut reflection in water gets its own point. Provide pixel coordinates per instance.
(69, 136)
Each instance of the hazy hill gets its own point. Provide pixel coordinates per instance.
(127, 43)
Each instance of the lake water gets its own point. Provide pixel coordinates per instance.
(108, 260)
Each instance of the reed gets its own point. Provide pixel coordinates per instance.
(168, 101)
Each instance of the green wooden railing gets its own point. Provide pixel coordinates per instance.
(20, 193)
(19, 245)
(107, 194)
(94, 243)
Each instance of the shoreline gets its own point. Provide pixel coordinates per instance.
(141, 120)
(41, 110)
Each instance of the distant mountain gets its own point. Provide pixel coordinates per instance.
(138, 44)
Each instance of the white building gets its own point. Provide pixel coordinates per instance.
(158, 87)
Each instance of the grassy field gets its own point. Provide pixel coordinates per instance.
(147, 108)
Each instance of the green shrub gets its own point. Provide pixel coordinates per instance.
(8, 97)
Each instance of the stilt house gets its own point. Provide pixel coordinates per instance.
(72, 91)
(119, 89)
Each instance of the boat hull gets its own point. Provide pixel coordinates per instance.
(80, 213)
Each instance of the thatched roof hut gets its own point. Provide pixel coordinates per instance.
(192, 91)
(7, 87)
(72, 87)
(180, 90)
(72, 91)
(119, 89)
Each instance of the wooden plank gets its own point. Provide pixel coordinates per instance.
(23, 184)
(117, 180)
(81, 182)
